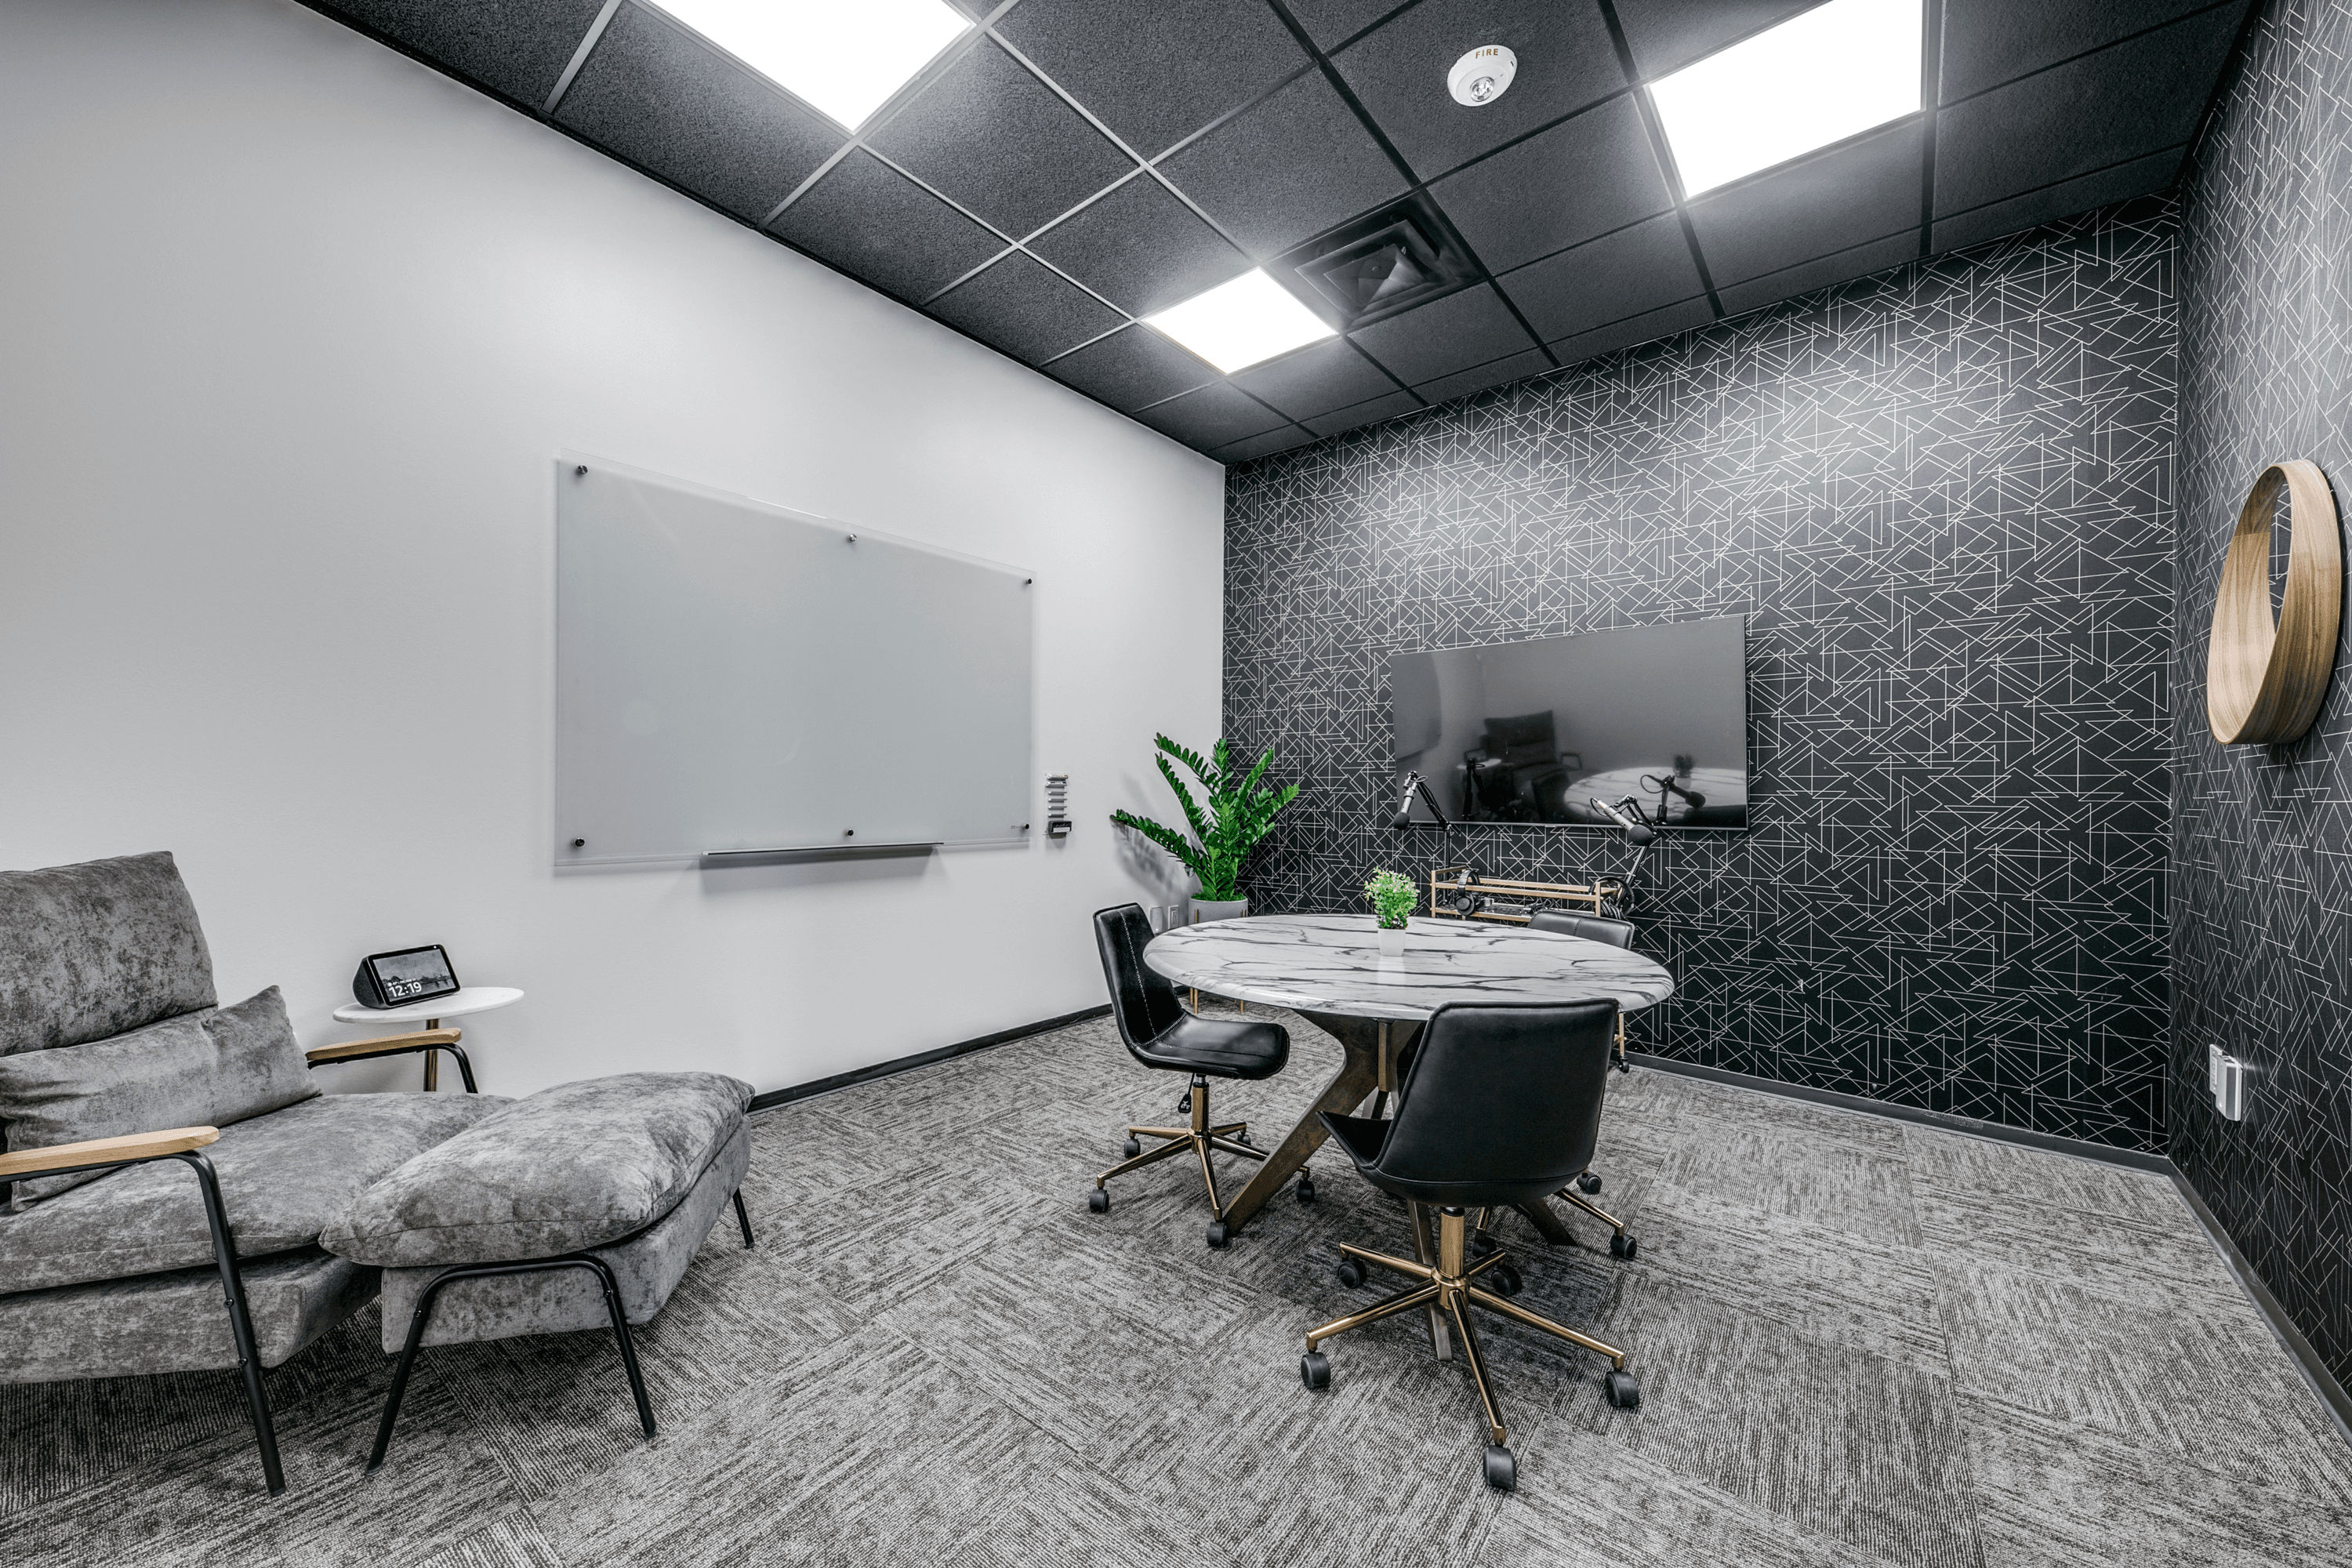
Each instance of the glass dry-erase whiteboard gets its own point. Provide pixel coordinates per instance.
(732, 678)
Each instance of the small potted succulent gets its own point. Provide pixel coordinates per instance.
(1392, 897)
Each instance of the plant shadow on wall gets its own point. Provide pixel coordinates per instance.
(1238, 814)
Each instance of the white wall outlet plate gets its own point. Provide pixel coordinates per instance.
(2229, 1086)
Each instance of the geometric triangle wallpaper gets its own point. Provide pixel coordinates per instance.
(2262, 894)
(1943, 496)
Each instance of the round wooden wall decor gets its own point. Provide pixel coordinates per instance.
(2265, 682)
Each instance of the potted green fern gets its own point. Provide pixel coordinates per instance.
(1394, 897)
(1237, 814)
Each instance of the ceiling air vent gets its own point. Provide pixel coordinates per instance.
(1371, 268)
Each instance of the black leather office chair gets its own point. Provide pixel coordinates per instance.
(1502, 1105)
(1591, 928)
(1616, 933)
(1160, 1034)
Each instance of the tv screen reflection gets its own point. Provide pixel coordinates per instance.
(1532, 731)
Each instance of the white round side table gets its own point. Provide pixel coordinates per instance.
(430, 1013)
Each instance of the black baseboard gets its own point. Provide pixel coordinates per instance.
(2299, 1350)
(776, 1097)
(1944, 1120)
(2306, 1359)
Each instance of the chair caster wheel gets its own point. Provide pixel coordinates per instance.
(1315, 1370)
(1623, 1245)
(1624, 1393)
(1099, 1201)
(1482, 1245)
(1351, 1273)
(1588, 1184)
(1506, 1281)
(1131, 1148)
(1502, 1469)
(1305, 1190)
(1242, 1138)
(1218, 1233)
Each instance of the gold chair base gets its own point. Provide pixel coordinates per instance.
(1449, 1286)
(1200, 1138)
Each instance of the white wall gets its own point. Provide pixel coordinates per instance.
(290, 329)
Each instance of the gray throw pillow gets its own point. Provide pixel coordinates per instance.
(212, 1068)
(567, 1169)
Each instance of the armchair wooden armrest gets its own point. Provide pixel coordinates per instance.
(124, 1151)
(425, 1040)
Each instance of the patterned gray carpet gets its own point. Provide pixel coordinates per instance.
(1859, 1342)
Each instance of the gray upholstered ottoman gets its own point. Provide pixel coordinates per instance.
(578, 1207)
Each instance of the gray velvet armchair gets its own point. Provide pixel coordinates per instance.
(169, 1164)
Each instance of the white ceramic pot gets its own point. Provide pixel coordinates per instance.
(1392, 941)
(1207, 909)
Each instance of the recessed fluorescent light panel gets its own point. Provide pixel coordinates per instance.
(1235, 325)
(1834, 72)
(845, 59)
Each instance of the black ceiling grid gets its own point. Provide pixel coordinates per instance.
(1069, 166)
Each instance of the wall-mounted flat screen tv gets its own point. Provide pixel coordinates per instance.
(1532, 731)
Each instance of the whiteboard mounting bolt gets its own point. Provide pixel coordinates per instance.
(581, 469)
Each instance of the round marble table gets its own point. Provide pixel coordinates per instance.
(1328, 968)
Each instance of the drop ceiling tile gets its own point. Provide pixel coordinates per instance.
(1331, 23)
(1845, 266)
(992, 137)
(1286, 169)
(1624, 274)
(877, 225)
(1478, 378)
(1316, 380)
(1446, 335)
(1157, 73)
(1021, 306)
(1566, 62)
(1850, 195)
(1647, 327)
(2118, 104)
(1666, 35)
(1988, 42)
(1264, 446)
(517, 47)
(1593, 174)
(2137, 178)
(1140, 248)
(1370, 411)
(1132, 369)
(1641, 329)
(654, 93)
(1216, 415)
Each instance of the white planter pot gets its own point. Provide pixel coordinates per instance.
(1392, 941)
(1207, 909)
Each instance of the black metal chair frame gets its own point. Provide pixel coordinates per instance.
(465, 1067)
(588, 1261)
(240, 1321)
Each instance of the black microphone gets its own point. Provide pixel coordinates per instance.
(1403, 816)
(1636, 832)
